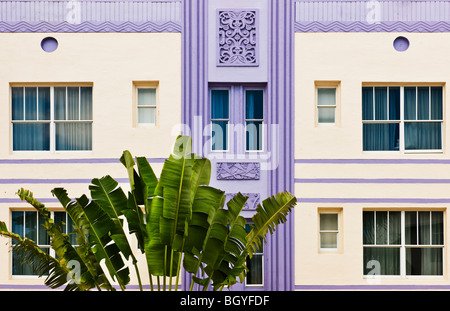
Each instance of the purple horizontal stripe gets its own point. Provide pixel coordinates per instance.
(53, 181)
(371, 287)
(371, 181)
(373, 200)
(72, 161)
(361, 26)
(372, 161)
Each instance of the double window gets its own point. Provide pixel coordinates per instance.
(29, 224)
(237, 109)
(47, 118)
(403, 243)
(402, 118)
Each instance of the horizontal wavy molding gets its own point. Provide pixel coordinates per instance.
(91, 16)
(365, 27)
(372, 16)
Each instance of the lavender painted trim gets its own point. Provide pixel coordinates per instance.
(375, 200)
(371, 287)
(17, 200)
(372, 161)
(358, 26)
(87, 27)
(371, 181)
(72, 161)
(53, 181)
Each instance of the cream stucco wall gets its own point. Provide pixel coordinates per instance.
(111, 63)
(354, 59)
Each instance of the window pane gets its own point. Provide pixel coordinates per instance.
(394, 228)
(411, 228)
(86, 103)
(380, 137)
(368, 228)
(31, 225)
(381, 228)
(73, 103)
(436, 103)
(44, 103)
(381, 260)
(367, 103)
(17, 103)
(254, 139)
(394, 103)
(424, 228)
(437, 225)
(31, 136)
(219, 104)
(147, 97)
(73, 136)
(328, 240)
(30, 103)
(381, 103)
(423, 136)
(326, 97)
(17, 223)
(43, 237)
(328, 221)
(147, 115)
(255, 273)
(423, 103)
(219, 135)
(424, 261)
(59, 218)
(254, 104)
(410, 103)
(60, 103)
(326, 115)
(70, 229)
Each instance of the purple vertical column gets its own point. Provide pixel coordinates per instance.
(281, 112)
(194, 79)
(194, 71)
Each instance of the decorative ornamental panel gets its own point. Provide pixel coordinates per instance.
(252, 201)
(237, 38)
(238, 171)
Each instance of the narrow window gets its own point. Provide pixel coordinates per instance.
(329, 231)
(220, 117)
(146, 106)
(254, 119)
(255, 265)
(326, 105)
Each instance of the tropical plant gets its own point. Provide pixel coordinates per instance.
(178, 220)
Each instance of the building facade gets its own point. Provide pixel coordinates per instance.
(342, 103)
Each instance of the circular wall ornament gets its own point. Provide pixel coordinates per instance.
(49, 44)
(401, 44)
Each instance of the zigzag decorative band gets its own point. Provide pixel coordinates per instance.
(90, 27)
(375, 27)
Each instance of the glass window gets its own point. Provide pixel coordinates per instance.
(326, 105)
(421, 124)
(32, 121)
(255, 265)
(254, 119)
(220, 117)
(146, 106)
(29, 224)
(413, 245)
(329, 231)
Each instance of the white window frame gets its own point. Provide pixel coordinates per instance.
(138, 107)
(402, 246)
(263, 120)
(52, 121)
(402, 121)
(336, 232)
(336, 85)
(38, 228)
(211, 120)
(259, 253)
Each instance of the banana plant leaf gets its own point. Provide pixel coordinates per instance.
(101, 230)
